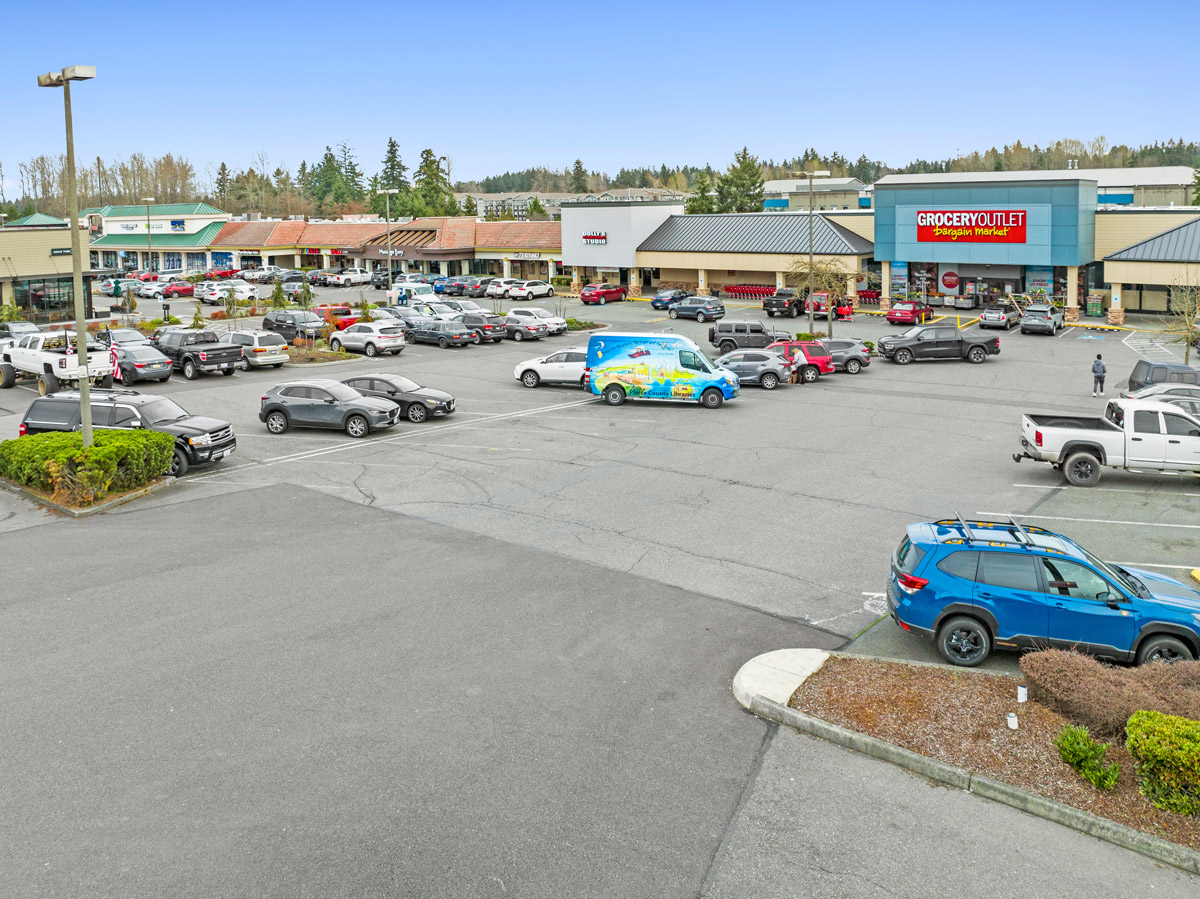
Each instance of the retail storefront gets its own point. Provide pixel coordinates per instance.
(528, 250)
(36, 275)
(165, 251)
(1149, 274)
(600, 240)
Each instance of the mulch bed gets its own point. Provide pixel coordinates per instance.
(960, 717)
(302, 355)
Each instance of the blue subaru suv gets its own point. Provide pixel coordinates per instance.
(981, 585)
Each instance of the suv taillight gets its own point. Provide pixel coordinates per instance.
(910, 584)
(21, 430)
(1037, 438)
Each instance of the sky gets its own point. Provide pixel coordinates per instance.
(506, 86)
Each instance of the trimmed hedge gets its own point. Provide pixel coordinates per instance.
(58, 465)
(1086, 756)
(1167, 751)
(1102, 697)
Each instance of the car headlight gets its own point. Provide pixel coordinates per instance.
(202, 440)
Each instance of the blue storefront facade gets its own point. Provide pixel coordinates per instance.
(970, 239)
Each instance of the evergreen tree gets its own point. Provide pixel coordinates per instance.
(1196, 189)
(741, 188)
(578, 183)
(703, 202)
(536, 212)
(352, 176)
(222, 181)
(394, 169)
(507, 215)
(431, 187)
(469, 206)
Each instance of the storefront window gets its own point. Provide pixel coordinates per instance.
(47, 300)
(172, 261)
(110, 258)
(195, 262)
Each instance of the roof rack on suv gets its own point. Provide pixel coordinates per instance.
(966, 527)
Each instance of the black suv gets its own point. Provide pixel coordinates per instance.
(198, 441)
(291, 325)
(728, 336)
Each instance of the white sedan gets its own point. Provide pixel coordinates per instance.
(555, 324)
(529, 290)
(563, 367)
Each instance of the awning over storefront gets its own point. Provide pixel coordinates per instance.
(1171, 258)
(199, 240)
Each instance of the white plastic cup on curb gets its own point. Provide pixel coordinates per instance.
(1012, 720)
(1022, 694)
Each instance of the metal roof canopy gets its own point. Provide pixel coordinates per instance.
(1145, 176)
(755, 232)
(1179, 244)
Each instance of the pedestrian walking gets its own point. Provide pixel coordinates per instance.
(1099, 370)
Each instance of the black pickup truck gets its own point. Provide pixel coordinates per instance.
(785, 302)
(193, 352)
(937, 342)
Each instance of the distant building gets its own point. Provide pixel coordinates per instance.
(828, 194)
(495, 205)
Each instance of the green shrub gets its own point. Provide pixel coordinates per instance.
(1085, 755)
(1166, 749)
(57, 464)
(560, 281)
(574, 324)
(811, 335)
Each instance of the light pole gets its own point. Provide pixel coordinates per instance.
(809, 302)
(387, 193)
(149, 252)
(63, 79)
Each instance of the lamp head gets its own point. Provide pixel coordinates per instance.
(50, 79)
(79, 73)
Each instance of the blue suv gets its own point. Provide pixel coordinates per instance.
(977, 586)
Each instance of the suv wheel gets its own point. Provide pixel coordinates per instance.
(530, 378)
(277, 422)
(673, 313)
(810, 374)
(964, 641)
(700, 316)
(179, 463)
(727, 346)
(1082, 469)
(356, 426)
(903, 356)
(853, 366)
(1163, 649)
(769, 381)
(372, 350)
(335, 345)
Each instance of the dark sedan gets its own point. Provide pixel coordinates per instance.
(702, 309)
(665, 299)
(416, 403)
(141, 362)
(321, 403)
(486, 326)
(444, 334)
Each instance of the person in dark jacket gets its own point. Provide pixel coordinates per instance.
(1099, 370)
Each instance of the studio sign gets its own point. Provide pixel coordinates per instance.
(972, 226)
(595, 237)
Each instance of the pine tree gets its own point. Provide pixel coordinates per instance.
(469, 206)
(536, 212)
(741, 188)
(1196, 189)
(222, 181)
(352, 176)
(578, 183)
(394, 169)
(703, 202)
(431, 187)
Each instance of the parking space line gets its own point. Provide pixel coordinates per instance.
(350, 444)
(1152, 565)
(1144, 524)
(1107, 489)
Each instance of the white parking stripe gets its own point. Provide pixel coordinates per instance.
(1108, 489)
(1152, 565)
(1144, 524)
(350, 444)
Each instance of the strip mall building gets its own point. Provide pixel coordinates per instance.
(969, 238)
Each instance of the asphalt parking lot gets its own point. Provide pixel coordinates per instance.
(788, 501)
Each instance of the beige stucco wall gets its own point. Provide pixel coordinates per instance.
(719, 263)
(1117, 230)
(1167, 273)
(862, 223)
(26, 254)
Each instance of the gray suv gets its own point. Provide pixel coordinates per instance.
(849, 354)
(767, 370)
(1041, 317)
(325, 404)
(728, 336)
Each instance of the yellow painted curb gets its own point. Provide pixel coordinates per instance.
(1196, 573)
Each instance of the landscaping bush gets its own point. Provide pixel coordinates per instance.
(574, 324)
(811, 335)
(1102, 697)
(1167, 751)
(1086, 756)
(560, 281)
(219, 316)
(57, 464)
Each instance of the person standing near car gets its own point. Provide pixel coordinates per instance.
(1099, 370)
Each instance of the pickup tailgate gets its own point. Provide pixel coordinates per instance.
(1043, 436)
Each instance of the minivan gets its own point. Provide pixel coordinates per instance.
(1146, 373)
(655, 367)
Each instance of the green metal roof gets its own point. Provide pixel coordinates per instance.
(201, 238)
(161, 209)
(37, 220)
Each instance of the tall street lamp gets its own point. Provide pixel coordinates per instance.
(387, 194)
(149, 252)
(810, 302)
(63, 79)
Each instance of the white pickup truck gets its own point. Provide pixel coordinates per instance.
(1133, 435)
(50, 357)
(349, 276)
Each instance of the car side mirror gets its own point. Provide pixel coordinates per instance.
(330, 401)
(1110, 600)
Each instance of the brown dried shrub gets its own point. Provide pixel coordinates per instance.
(1102, 697)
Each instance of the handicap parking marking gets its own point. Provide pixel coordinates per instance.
(1144, 524)
(1150, 349)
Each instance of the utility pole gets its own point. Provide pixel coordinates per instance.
(149, 252)
(387, 199)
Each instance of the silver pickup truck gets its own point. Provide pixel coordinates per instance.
(1133, 435)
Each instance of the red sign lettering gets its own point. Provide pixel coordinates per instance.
(971, 226)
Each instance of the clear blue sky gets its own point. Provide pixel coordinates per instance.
(506, 86)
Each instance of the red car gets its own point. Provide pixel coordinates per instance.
(906, 312)
(220, 274)
(601, 294)
(810, 359)
(344, 316)
(179, 289)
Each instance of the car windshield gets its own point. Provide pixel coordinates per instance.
(342, 392)
(402, 383)
(307, 317)
(1128, 581)
(22, 328)
(912, 332)
(439, 308)
(162, 410)
(542, 313)
(144, 353)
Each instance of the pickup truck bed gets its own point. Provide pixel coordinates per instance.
(1072, 421)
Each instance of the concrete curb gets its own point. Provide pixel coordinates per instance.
(746, 690)
(1196, 573)
(161, 484)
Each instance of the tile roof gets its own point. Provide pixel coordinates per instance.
(340, 234)
(754, 232)
(247, 234)
(1179, 244)
(202, 238)
(519, 235)
(36, 220)
(159, 209)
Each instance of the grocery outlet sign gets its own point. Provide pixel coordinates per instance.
(971, 226)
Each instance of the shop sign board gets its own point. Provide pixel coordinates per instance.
(899, 277)
(1039, 277)
(60, 251)
(178, 225)
(971, 226)
(595, 237)
(948, 279)
(526, 256)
